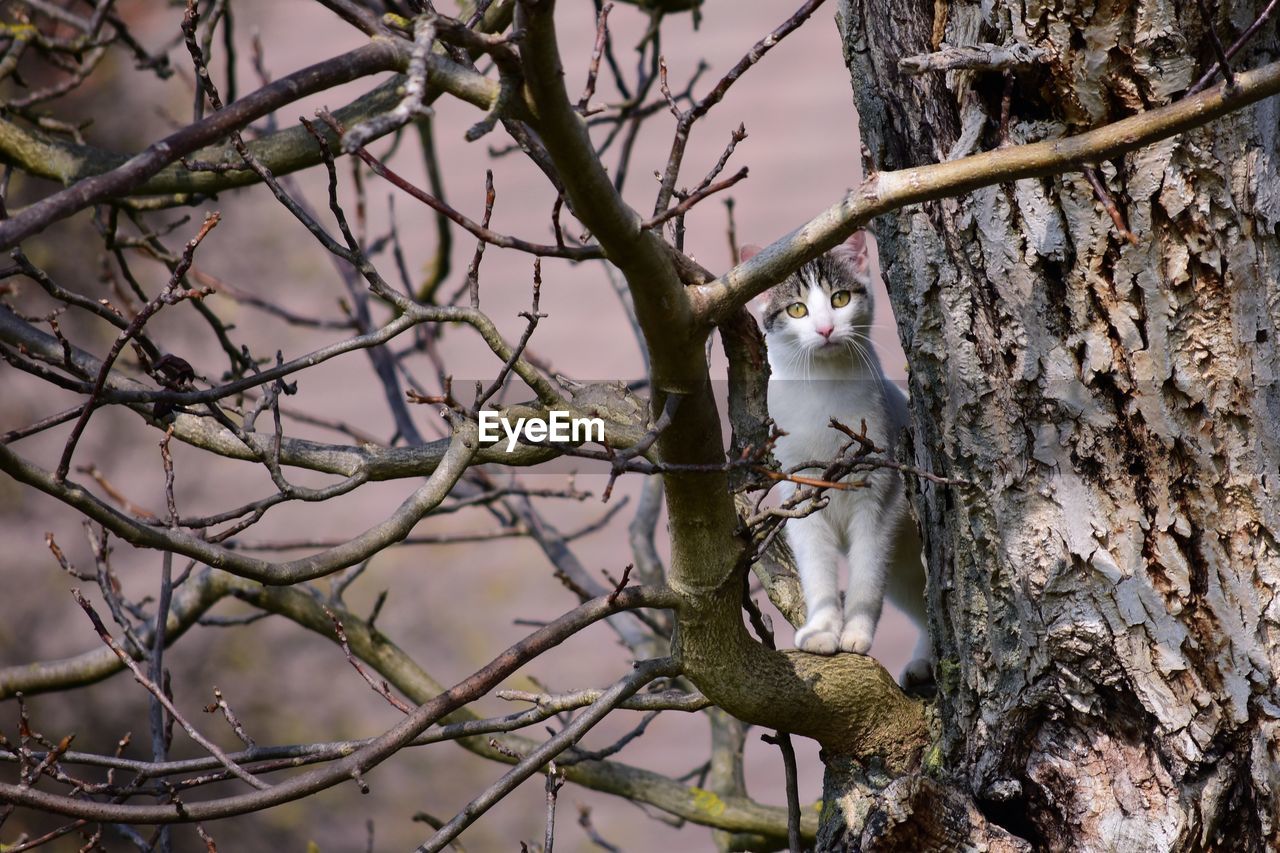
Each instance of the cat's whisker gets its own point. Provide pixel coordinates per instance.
(857, 349)
(875, 369)
(865, 354)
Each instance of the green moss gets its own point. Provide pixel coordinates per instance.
(948, 675)
(933, 760)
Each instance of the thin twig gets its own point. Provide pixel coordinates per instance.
(617, 746)
(584, 821)
(532, 316)
(641, 675)
(220, 704)
(602, 37)
(686, 119)
(42, 424)
(156, 691)
(1109, 204)
(555, 781)
(380, 687)
(168, 296)
(1224, 65)
(1240, 42)
(693, 198)
(782, 740)
(376, 750)
(577, 253)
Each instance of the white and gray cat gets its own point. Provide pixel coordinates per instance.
(817, 325)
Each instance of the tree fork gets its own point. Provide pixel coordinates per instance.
(840, 701)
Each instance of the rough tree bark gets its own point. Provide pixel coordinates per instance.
(1104, 595)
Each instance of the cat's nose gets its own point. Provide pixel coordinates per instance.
(825, 331)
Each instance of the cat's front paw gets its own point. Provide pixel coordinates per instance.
(819, 637)
(917, 679)
(856, 637)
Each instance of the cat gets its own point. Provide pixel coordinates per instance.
(817, 327)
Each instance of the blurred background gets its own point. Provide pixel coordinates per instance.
(452, 607)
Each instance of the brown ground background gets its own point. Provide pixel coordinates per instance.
(452, 607)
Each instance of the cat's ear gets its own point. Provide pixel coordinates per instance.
(854, 254)
(757, 304)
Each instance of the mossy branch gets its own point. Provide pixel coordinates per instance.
(284, 151)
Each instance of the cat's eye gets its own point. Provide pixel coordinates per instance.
(840, 298)
(797, 309)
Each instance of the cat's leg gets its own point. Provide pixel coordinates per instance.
(868, 565)
(817, 554)
(906, 589)
(918, 674)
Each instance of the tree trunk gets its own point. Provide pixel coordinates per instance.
(1103, 594)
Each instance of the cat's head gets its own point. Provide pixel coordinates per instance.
(822, 308)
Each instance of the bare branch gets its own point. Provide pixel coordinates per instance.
(190, 602)
(377, 56)
(412, 106)
(978, 57)
(686, 119)
(220, 704)
(168, 296)
(888, 191)
(155, 690)
(1109, 204)
(357, 763)
(1206, 14)
(379, 168)
(461, 449)
(782, 740)
(693, 198)
(642, 256)
(643, 674)
(602, 38)
(1235, 46)
(357, 16)
(379, 687)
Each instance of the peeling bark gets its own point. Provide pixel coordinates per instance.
(865, 809)
(1104, 597)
